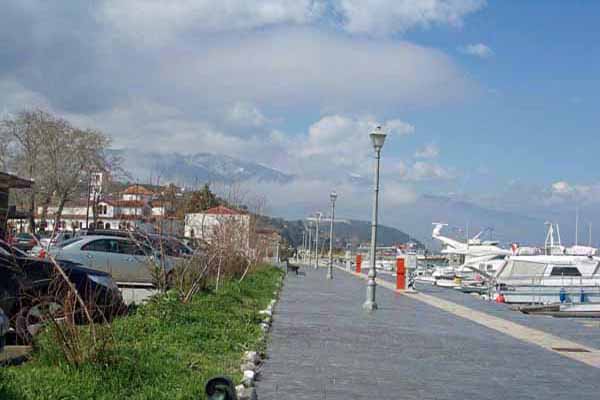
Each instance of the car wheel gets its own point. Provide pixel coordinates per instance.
(33, 315)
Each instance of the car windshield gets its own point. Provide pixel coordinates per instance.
(69, 241)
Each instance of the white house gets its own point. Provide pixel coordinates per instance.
(121, 213)
(137, 193)
(206, 225)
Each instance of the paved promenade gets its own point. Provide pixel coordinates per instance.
(324, 346)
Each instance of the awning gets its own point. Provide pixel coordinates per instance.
(8, 181)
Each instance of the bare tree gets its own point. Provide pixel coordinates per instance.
(70, 156)
(27, 129)
(6, 141)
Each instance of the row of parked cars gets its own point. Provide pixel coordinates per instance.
(128, 256)
(94, 261)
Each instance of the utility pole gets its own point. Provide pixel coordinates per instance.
(87, 211)
(317, 240)
(309, 245)
(303, 248)
(333, 197)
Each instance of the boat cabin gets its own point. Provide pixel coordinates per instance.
(548, 266)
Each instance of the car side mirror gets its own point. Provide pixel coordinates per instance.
(220, 388)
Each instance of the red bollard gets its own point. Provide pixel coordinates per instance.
(400, 274)
(358, 263)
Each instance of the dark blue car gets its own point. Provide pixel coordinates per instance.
(3, 328)
(31, 290)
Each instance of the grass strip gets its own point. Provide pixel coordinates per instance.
(166, 350)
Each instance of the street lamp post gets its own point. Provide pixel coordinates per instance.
(317, 240)
(87, 210)
(303, 248)
(333, 197)
(309, 244)
(377, 138)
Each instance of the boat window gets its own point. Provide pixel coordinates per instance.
(565, 271)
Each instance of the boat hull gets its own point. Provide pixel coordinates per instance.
(550, 294)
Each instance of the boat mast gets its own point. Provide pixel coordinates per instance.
(549, 238)
(576, 225)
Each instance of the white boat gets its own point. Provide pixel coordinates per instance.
(585, 310)
(561, 275)
(548, 279)
(479, 260)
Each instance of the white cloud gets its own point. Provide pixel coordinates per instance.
(245, 114)
(344, 141)
(479, 50)
(429, 151)
(16, 97)
(425, 171)
(307, 195)
(324, 71)
(384, 17)
(566, 192)
(156, 22)
(562, 187)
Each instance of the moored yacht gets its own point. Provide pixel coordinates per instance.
(547, 279)
(477, 260)
(558, 274)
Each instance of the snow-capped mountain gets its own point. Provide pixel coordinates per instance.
(191, 170)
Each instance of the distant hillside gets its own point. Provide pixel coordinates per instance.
(194, 169)
(507, 227)
(355, 232)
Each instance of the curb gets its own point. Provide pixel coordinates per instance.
(252, 360)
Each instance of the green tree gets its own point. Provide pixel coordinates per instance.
(202, 200)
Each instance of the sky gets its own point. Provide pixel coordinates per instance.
(489, 102)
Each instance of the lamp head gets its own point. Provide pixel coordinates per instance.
(377, 138)
(333, 196)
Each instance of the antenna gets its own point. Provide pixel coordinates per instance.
(590, 235)
(576, 225)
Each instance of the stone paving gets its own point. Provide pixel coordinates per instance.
(584, 331)
(324, 346)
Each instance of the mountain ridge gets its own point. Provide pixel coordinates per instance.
(194, 169)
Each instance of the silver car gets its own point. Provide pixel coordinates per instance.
(128, 261)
